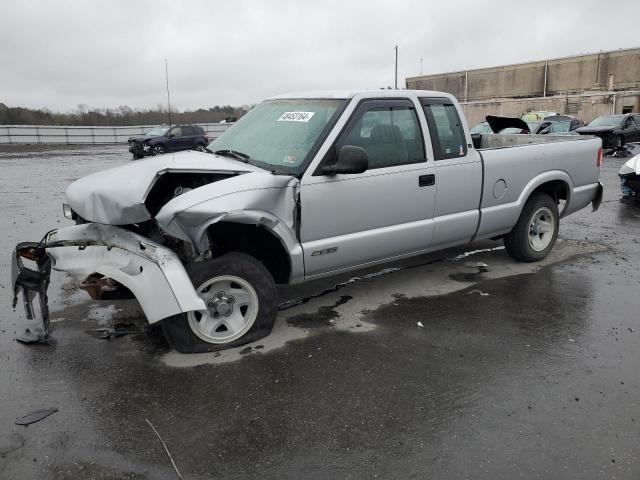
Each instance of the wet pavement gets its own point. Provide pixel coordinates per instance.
(428, 368)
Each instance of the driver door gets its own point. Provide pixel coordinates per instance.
(352, 220)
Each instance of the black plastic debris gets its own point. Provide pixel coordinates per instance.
(35, 416)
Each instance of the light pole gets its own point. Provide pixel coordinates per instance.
(166, 73)
(396, 76)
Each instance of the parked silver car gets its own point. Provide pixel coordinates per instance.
(302, 187)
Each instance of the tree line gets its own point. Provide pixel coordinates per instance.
(123, 115)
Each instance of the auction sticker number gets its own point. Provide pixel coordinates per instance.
(296, 116)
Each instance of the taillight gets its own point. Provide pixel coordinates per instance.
(599, 161)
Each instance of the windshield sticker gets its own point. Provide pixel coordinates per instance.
(296, 116)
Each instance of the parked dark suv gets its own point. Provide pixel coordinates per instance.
(163, 139)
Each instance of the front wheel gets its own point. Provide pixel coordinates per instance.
(536, 232)
(241, 305)
(157, 149)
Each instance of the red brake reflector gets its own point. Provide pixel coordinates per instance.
(599, 161)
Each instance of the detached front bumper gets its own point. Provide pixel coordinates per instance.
(152, 272)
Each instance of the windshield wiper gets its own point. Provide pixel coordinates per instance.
(243, 157)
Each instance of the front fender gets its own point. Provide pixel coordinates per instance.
(196, 232)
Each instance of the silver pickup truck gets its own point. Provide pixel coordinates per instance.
(303, 186)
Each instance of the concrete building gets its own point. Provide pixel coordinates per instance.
(584, 86)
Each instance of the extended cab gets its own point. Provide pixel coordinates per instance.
(302, 187)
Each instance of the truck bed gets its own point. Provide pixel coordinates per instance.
(512, 164)
(497, 140)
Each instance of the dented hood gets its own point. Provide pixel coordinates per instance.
(116, 196)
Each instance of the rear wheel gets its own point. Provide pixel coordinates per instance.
(536, 232)
(241, 305)
(199, 147)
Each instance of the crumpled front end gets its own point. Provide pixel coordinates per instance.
(153, 273)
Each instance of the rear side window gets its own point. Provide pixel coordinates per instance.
(389, 133)
(445, 129)
(188, 131)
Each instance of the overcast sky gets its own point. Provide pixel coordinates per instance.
(59, 54)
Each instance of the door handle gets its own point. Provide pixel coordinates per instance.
(426, 180)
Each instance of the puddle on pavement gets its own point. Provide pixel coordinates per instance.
(359, 296)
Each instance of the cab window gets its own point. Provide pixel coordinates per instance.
(445, 129)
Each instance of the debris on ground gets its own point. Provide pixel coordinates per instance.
(29, 337)
(35, 416)
(166, 449)
(481, 266)
(115, 331)
(482, 294)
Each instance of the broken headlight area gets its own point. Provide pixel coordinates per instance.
(153, 232)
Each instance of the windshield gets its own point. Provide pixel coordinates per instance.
(157, 131)
(607, 120)
(280, 134)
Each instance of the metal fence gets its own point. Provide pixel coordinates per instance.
(34, 134)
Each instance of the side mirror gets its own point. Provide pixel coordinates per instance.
(351, 160)
(171, 135)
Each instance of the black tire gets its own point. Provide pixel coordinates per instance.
(199, 147)
(177, 329)
(518, 243)
(137, 156)
(618, 142)
(158, 149)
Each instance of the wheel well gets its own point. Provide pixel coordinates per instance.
(556, 189)
(254, 240)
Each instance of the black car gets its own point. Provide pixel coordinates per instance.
(163, 139)
(615, 130)
(558, 124)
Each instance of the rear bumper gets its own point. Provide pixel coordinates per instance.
(152, 272)
(582, 196)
